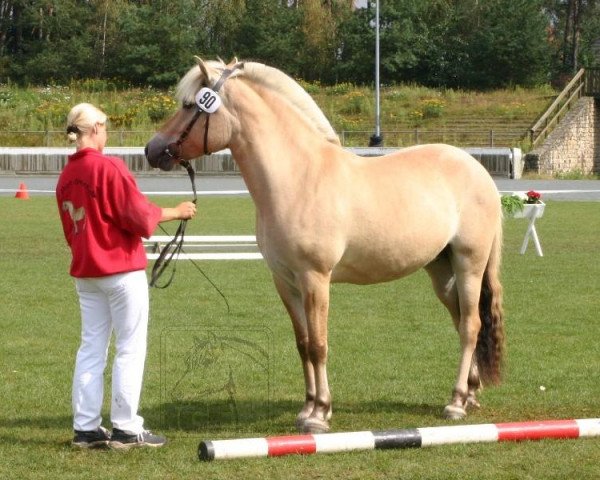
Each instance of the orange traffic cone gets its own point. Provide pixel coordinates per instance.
(22, 192)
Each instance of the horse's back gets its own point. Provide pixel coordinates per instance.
(408, 206)
(429, 163)
(433, 176)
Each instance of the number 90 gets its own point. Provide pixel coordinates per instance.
(208, 100)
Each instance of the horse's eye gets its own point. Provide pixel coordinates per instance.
(188, 106)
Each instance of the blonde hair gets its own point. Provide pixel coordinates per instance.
(83, 118)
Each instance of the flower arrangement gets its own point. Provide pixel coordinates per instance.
(533, 197)
(513, 204)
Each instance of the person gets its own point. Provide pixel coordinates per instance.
(104, 216)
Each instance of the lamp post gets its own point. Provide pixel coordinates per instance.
(376, 139)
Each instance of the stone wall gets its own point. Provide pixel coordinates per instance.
(574, 145)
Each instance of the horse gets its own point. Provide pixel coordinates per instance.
(324, 214)
(76, 214)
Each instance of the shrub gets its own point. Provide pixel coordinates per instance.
(6, 97)
(354, 103)
(311, 88)
(124, 119)
(160, 107)
(340, 89)
(52, 113)
(416, 117)
(432, 108)
(511, 204)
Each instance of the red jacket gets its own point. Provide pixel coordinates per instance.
(104, 215)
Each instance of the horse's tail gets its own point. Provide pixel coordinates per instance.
(490, 344)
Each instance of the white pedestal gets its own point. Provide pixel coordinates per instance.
(531, 212)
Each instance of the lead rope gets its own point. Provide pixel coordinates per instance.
(175, 247)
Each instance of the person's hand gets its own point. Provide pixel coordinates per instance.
(186, 210)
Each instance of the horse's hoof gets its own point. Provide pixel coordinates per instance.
(302, 416)
(315, 425)
(453, 412)
(472, 402)
(300, 420)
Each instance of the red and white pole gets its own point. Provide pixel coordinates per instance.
(402, 438)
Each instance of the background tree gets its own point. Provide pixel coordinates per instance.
(446, 43)
(104, 30)
(269, 32)
(581, 30)
(48, 40)
(589, 51)
(319, 21)
(153, 44)
(216, 24)
(356, 47)
(508, 49)
(459, 43)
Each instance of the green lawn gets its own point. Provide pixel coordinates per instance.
(213, 373)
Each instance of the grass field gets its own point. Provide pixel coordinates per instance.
(215, 374)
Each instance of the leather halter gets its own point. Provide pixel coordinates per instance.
(173, 150)
(175, 246)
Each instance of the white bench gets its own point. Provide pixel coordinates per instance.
(207, 247)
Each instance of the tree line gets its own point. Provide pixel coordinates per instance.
(442, 43)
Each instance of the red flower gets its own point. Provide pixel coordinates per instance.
(533, 197)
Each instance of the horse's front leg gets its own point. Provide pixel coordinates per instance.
(292, 300)
(314, 287)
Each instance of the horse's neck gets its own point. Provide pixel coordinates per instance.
(276, 150)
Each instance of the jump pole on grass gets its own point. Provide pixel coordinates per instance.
(388, 439)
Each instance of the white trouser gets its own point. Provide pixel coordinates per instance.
(120, 303)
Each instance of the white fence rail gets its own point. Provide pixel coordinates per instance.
(207, 247)
(500, 161)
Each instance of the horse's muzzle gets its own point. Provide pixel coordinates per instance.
(159, 155)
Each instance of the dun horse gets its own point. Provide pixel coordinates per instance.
(326, 215)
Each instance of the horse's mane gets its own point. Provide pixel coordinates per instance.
(269, 77)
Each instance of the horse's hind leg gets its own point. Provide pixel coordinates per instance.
(474, 385)
(469, 267)
(443, 280)
(292, 299)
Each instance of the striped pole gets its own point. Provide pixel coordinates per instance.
(408, 438)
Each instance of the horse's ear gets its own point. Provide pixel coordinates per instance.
(235, 64)
(203, 68)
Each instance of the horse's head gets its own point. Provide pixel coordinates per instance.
(203, 124)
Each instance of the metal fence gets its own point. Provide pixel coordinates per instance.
(460, 137)
(56, 138)
(497, 136)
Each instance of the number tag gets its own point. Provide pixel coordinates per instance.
(208, 100)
